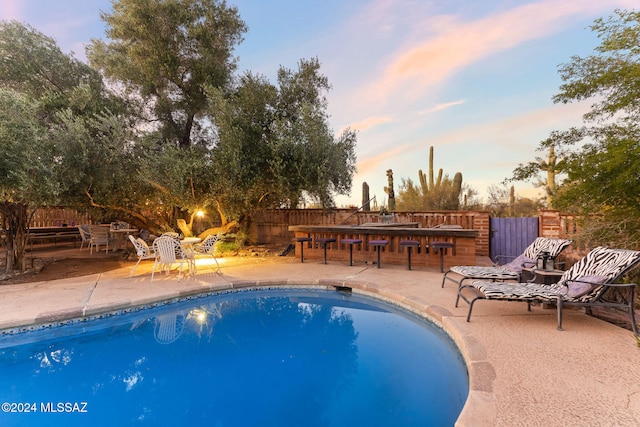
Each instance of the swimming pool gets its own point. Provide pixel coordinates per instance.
(277, 357)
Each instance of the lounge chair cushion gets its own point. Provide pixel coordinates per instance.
(482, 272)
(600, 262)
(520, 291)
(519, 262)
(577, 288)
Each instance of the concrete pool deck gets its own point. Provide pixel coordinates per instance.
(522, 371)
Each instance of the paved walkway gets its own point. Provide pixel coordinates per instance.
(523, 372)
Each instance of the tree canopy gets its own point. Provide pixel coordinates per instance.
(186, 133)
(39, 86)
(170, 52)
(601, 159)
(246, 143)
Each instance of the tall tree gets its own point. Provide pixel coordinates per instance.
(169, 52)
(40, 86)
(31, 63)
(26, 172)
(603, 156)
(275, 147)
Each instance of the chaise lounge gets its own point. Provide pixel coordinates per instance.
(511, 270)
(585, 284)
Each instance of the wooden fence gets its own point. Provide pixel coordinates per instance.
(271, 226)
(59, 217)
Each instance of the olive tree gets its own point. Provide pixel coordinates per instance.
(169, 52)
(27, 171)
(275, 147)
(40, 87)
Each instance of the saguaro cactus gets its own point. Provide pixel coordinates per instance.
(550, 187)
(390, 192)
(432, 188)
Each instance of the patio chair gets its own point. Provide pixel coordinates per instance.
(99, 237)
(168, 252)
(511, 270)
(588, 283)
(142, 250)
(85, 235)
(172, 234)
(208, 246)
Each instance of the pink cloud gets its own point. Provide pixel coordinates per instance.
(369, 122)
(440, 107)
(371, 164)
(457, 44)
(509, 134)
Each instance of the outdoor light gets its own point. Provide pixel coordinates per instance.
(200, 213)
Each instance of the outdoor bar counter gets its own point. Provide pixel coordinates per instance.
(426, 254)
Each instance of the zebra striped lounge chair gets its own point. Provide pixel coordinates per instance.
(510, 271)
(584, 284)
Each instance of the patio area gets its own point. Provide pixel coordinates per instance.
(522, 370)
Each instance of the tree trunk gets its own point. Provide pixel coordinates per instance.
(15, 223)
(185, 141)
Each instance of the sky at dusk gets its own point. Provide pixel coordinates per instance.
(474, 79)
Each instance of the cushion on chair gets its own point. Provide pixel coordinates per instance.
(517, 264)
(482, 272)
(519, 291)
(578, 287)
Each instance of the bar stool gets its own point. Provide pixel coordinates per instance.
(324, 241)
(351, 242)
(409, 244)
(378, 244)
(441, 246)
(302, 241)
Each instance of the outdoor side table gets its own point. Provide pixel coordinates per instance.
(544, 277)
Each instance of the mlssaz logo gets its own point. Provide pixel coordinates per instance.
(80, 407)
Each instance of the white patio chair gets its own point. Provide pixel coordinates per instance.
(168, 252)
(142, 250)
(208, 246)
(85, 235)
(172, 234)
(99, 236)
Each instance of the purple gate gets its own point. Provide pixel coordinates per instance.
(510, 237)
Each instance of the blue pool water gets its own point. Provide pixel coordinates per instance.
(254, 358)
